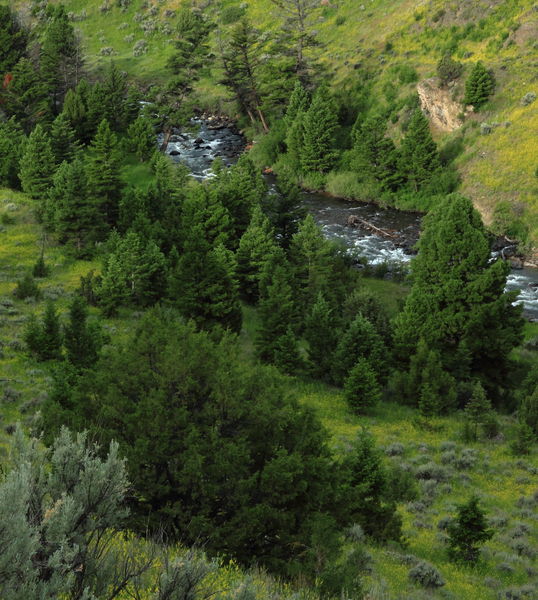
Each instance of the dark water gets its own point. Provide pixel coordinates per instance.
(199, 147)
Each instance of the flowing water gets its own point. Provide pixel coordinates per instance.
(205, 142)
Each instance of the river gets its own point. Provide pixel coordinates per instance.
(207, 140)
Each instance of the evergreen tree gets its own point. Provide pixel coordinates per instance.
(359, 340)
(114, 89)
(370, 305)
(479, 86)
(27, 288)
(457, 303)
(448, 69)
(142, 138)
(44, 338)
(285, 209)
(528, 411)
(478, 408)
(276, 310)
(295, 136)
(298, 103)
(419, 158)
(286, 355)
(467, 533)
(40, 268)
(521, 445)
(75, 110)
(37, 164)
(82, 340)
(103, 171)
(320, 121)
(63, 139)
(321, 334)
(12, 144)
(255, 249)
(363, 489)
(72, 213)
(13, 40)
(361, 388)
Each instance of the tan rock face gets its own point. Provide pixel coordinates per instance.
(438, 105)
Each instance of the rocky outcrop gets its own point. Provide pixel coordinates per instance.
(437, 103)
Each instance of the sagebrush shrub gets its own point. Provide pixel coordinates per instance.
(426, 575)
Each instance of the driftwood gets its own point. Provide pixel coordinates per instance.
(355, 221)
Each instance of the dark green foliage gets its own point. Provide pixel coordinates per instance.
(277, 309)
(255, 248)
(12, 143)
(103, 171)
(285, 208)
(72, 212)
(13, 39)
(525, 437)
(63, 139)
(286, 354)
(467, 532)
(37, 164)
(44, 338)
(40, 268)
(478, 407)
(361, 388)
(76, 111)
(321, 334)
(479, 86)
(82, 340)
(114, 108)
(419, 158)
(363, 491)
(27, 288)
(142, 138)
(318, 153)
(359, 340)
(528, 411)
(233, 462)
(457, 302)
(299, 102)
(426, 575)
(369, 305)
(448, 69)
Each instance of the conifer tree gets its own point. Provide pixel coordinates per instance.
(142, 138)
(467, 533)
(457, 302)
(37, 164)
(255, 249)
(359, 340)
(63, 139)
(478, 408)
(318, 154)
(276, 311)
(321, 334)
(13, 40)
(286, 354)
(419, 158)
(479, 86)
(72, 213)
(103, 171)
(114, 89)
(286, 210)
(44, 338)
(528, 411)
(295, 136)
(448, 69)
(298, 103)
(75, 110)
(82, 340)
(361, 388)
(12, 144)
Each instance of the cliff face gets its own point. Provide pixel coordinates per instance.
(443, 112)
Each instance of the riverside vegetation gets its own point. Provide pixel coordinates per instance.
(214, 401)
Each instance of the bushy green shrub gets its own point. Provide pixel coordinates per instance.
(426, 575)
(27, 288)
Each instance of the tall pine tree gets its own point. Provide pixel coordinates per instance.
(37, 164)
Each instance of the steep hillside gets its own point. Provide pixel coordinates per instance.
(499, 161)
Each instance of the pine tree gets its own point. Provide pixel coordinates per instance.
(528, 411)
(467, 533)
(63, 139)
(142, 138)
(13, 40)
(359, 340)
(457, 301)
(321, 334)
(448, 69)
(361, 388)
(40, 268)
(104, 180)
(75, 110)
(255, 248)
(286, 354)
(12, 144)
(115, 94)
(521, 445)
(276, 311)
(295, 136)
(298, 103)
(37, 164)
(82, 340)
(479, 86)
(72, 213)
(318, 153)
(286, 210)
(419, 158)
(51, 335)
(478, 407)
(27, 288)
